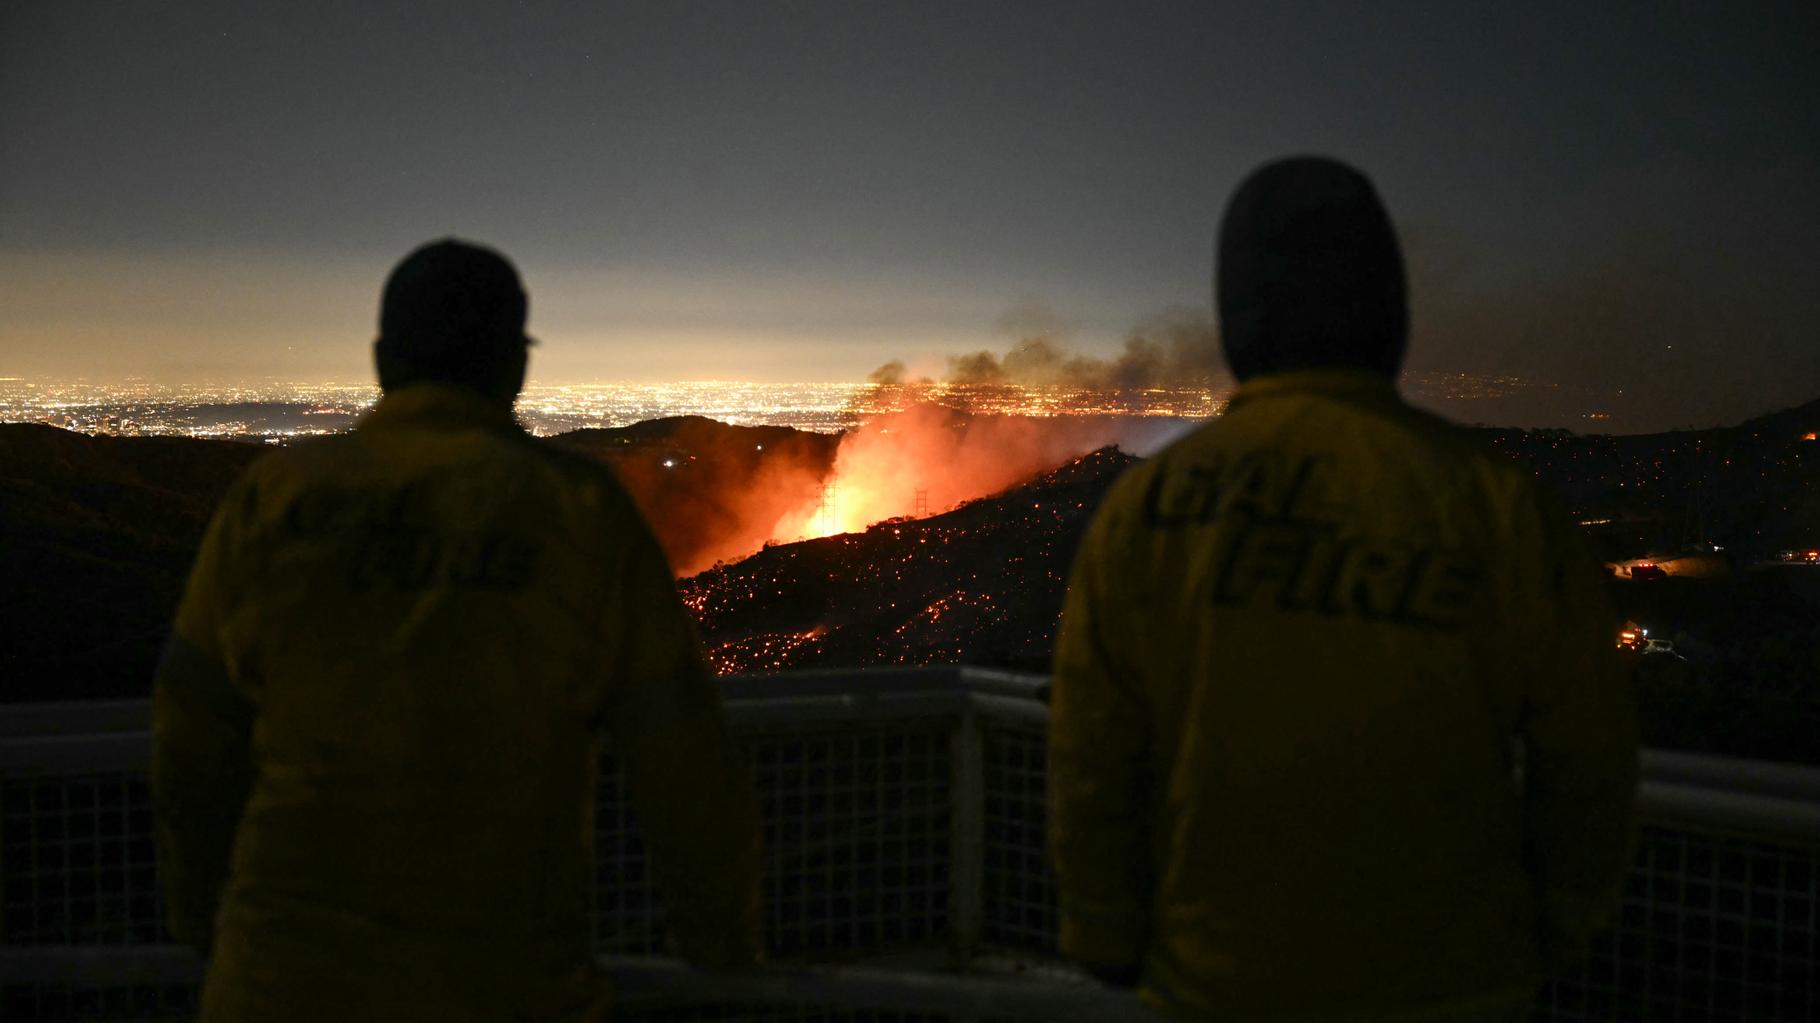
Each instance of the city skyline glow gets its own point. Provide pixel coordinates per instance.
(1611, 199)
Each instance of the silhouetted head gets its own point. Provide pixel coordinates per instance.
(1310, 273)
(454, 313)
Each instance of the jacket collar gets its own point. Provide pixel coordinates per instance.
(434, 404)
(1357, 384)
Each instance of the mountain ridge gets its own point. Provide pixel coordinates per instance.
(97, 532)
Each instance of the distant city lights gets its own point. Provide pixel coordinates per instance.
(269, 409)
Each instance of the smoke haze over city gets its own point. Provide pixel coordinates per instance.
(1592, 202)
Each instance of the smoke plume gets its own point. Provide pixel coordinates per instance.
(1178, 348)
(714, 492)
(925, 446)
(891, 374)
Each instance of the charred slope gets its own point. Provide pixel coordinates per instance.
(981, 584)
(96, 539)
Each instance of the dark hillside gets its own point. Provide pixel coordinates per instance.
(710, 491)
(1754, 487)
(96, 539)
(97, 532)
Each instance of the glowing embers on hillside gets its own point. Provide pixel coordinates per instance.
(765, 651)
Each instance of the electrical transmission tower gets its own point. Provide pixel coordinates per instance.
(829, 510)
(921, 508)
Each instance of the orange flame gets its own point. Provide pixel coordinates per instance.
(928, 459)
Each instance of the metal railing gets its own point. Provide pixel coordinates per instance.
(906, 875)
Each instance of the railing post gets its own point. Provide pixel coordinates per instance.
(967, 831)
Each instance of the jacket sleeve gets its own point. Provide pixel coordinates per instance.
(1579, 738)
(690, 788)
(1099, 767)
(201, 729)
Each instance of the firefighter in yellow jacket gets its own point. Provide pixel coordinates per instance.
(1307, 652)
(375, 726)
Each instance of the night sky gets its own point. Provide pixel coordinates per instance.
(1623, 198)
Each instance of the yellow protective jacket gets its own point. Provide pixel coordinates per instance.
(1304, 651)
(374, 750)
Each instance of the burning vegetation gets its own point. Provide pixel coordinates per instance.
(931, 458)
(980, 584)
(715, 493)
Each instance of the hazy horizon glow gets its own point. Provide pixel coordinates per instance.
(267, 407)
(1621, 198)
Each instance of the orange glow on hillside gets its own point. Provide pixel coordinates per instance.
(715, 494)
(928, 459)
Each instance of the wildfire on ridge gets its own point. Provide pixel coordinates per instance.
(981, 584)
(714, 492)
(927, 459)
(769, 651)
